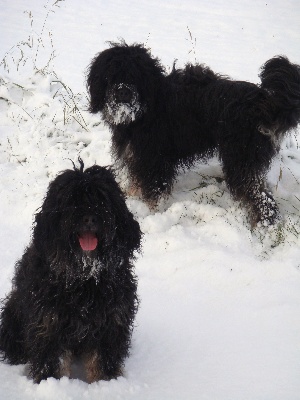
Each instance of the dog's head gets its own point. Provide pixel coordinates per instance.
(84, 222)
(122, 82)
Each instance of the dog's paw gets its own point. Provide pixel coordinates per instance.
(270, 236)
(43, 374)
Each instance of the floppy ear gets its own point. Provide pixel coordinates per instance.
(128, 233)
(97, 81)
(128, 236)
(47, 219)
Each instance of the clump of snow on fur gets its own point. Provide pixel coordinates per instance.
(91, 267)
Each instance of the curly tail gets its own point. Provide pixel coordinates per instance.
(281, 79)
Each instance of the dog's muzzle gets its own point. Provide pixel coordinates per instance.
(124, 94)
(122, 105)
(88, 233)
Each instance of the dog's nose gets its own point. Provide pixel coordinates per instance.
(89, 221)
(123, 94)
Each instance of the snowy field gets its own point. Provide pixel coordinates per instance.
(220, 305)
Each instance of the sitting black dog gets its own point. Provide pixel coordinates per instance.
(161, 122)
(74, 291)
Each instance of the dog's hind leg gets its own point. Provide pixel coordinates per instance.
(255, 196)
(12, 346)
(246, 160)
(262, 206)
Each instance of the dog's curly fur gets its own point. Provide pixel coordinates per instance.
(70, 299)
(162, 122)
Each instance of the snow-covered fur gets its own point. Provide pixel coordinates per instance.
(162, 122)
(74, 291)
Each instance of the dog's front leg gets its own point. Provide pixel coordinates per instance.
(45, 364)
(263, 207)
(155, 179)
(100, 367)
(115, 343)
(43, 343)
(92, 363)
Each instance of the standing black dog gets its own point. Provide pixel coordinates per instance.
(74, 291)
(163, 122)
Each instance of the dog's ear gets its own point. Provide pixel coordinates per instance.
(47, 218)
(97, 81)
(128, 234)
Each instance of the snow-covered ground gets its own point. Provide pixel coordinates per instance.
(220, 305)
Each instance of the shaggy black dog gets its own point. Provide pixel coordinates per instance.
(161, 122)
(74, 291)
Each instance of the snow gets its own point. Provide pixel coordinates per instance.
(219, 313)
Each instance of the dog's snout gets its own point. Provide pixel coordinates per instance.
(123, 94)
(89, 221)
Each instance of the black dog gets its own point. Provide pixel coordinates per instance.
(74, 291)
(163, 122)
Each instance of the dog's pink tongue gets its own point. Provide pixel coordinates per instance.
(88, 241)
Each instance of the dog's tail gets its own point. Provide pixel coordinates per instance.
(281, 79)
